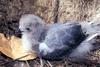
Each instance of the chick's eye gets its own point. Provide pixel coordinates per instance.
(28, 29)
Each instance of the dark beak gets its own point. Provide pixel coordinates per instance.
(19, 30)
(18, 33)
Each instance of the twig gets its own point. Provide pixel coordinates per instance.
(55, 11)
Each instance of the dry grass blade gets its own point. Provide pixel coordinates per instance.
(49, 64)
(27, 64)
(91, 37)
(41, 63)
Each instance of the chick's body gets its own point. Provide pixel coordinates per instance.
(60, 40)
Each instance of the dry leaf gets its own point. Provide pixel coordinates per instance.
(13, 48)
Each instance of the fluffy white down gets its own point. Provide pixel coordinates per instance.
(27, 46)
(43, 47)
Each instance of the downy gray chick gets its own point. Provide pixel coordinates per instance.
(58, 40)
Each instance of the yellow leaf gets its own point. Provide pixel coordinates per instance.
(13, 48)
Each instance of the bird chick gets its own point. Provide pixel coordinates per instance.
(33, 29)
(60, 40)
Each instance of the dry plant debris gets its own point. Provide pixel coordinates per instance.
(12, 48)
